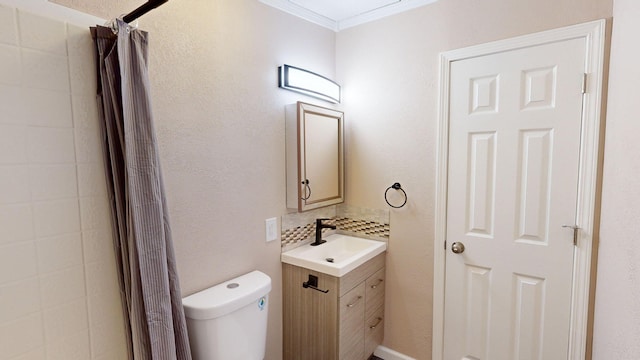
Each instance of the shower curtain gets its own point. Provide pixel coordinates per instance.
(149, 284)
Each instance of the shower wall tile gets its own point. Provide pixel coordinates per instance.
(22, 297)
(41, 33)
(21, 336)
(13, 141)
(58, 217)
(80, 43)
(14, 184)
(60, 287)
(87, 145)
(44, 255)
(16, 223)
(51, 182)
(107, 344)
(95, 212)
(60, 252)
(17, 262)
(50, 145)
(91, 180)
(11, 103)
(82, 61)
(85, 111)
(103, 292)
(97, 245)
(53, 108)
(8, 28)
(11, 69)
(69, 318)
(35, 354)
(76, 346)
(105, 310)
(44, 70)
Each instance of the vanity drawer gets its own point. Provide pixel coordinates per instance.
(351, 319)
(374, 293)
(373, 331)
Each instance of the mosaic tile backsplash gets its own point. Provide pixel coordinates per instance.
(300, 228)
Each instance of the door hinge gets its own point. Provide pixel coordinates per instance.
(575, 229)
(584, 83)
(445, 244)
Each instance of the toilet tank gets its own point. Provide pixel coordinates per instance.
(229, 321)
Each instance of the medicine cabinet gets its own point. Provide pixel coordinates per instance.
(315, 156)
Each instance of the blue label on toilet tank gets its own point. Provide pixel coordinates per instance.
(262, 302)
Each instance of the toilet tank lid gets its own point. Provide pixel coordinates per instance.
(227, 297)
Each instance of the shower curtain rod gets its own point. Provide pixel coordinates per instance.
(143, 9)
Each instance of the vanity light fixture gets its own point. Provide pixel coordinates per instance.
(308, 83)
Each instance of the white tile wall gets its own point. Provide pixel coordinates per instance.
(50, 182)
(60, 252)
(50, 145)
(59, 296)
(21, 336)
(56, 217)
(10, 102)
(16, 223)
(14, 184)
(11, 70)
(22, 297)
(41, 33)
(54, 108)
(13, 149)
(9, 34)
(17, 262)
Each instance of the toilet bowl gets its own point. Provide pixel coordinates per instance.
(229, 321)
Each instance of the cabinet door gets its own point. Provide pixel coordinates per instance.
(373, 331)
(310, 318)
(374, 293)
(351, 343)
(315, 156)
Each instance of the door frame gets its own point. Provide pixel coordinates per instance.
(589, 167)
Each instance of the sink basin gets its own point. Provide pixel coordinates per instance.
(337, 257)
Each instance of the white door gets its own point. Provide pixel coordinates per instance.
(514, 147)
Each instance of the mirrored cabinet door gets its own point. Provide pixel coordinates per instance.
(315, 156)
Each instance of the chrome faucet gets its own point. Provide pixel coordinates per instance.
(319, 227)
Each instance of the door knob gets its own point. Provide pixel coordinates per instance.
(457, 247)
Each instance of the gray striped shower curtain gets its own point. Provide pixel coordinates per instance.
(150, 290)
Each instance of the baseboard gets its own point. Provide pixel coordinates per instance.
(388, 354)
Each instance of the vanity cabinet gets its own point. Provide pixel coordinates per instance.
(345, 323)
(315, 156)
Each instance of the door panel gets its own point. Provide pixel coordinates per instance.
(514, 142)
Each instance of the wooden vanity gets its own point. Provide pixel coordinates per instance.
(344, 323)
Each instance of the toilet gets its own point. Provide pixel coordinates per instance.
(229, 321)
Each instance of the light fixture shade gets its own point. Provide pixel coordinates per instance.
(308, 83)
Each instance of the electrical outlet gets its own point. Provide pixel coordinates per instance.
(271, 227)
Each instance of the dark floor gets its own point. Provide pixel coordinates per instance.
(373, 357)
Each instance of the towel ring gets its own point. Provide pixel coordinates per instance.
(395, 186)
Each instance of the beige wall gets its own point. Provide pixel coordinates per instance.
(389, 70)
(617, 313)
